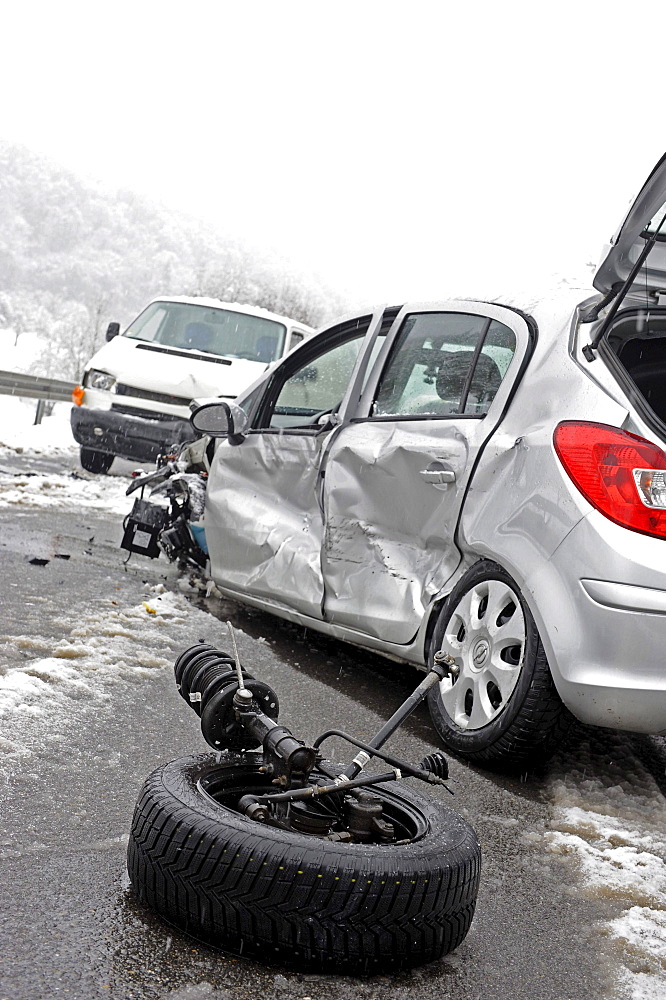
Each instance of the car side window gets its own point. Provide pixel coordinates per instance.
(444, 364)
(490, 367)
(302, 398)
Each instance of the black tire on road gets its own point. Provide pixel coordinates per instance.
(96, 461)
(290, 898)
(502, 710)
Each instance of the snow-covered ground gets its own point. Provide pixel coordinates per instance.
(613, 823)
(20, 436)
(19, 433)
(612, 819)
(108, 644)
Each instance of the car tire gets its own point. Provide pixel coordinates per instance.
(96, 461)
(498, 707)
(283, 896)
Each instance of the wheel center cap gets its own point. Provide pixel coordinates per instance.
(480, 653)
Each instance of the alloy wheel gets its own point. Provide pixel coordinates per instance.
(485, 642)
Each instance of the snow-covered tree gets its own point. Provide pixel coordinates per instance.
(74, 256)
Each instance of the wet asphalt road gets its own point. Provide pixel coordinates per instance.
(70, 926)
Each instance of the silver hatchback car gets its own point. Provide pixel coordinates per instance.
(470, 482)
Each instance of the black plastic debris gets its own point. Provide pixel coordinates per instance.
(62, 555)
(38, 562)
(143, 525)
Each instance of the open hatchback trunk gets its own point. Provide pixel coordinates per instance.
(632, 277)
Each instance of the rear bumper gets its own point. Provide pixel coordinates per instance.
(135, 438)
(600, 605)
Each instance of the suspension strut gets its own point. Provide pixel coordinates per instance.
(207, 678)
(239, 712)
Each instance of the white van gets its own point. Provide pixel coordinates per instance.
(135, 392)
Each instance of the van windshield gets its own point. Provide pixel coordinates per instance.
(213, 331)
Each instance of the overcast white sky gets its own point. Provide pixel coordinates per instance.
(413, 149)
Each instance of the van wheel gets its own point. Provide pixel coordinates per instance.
(96, 461)
(498, 707)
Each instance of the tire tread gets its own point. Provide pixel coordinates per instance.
(246, 893)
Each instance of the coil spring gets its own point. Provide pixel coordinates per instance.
(437, 763)
(206, 679)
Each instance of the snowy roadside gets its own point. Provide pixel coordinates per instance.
(108, 646)
(33, 489)
(19, 433)
(109, 643)
(610, 816)
(51, 438)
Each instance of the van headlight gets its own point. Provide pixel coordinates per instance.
(98, 380)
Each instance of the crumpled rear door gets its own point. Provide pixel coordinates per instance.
(396, 476)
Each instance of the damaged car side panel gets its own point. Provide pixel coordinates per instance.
(266, 508)
(396, 477)
(268, 495)
(388, 551)
(525, 515)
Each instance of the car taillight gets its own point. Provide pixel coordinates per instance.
(621, 474)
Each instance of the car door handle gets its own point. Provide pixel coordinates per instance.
(438, 474)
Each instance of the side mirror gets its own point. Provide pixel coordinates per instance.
(112, 330)
(219, 419)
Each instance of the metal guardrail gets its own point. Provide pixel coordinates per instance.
(35, 386)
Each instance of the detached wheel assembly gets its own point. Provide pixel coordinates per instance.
(266, 849)
(497, 704)
(284, 896)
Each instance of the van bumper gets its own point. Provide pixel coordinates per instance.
(127, 436)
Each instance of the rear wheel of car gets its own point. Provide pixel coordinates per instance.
(96, 461)
(498, 706)
(284, 896)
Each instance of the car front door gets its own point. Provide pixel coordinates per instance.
(396, 475)
(264, 520)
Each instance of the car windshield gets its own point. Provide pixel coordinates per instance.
(213, 331)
